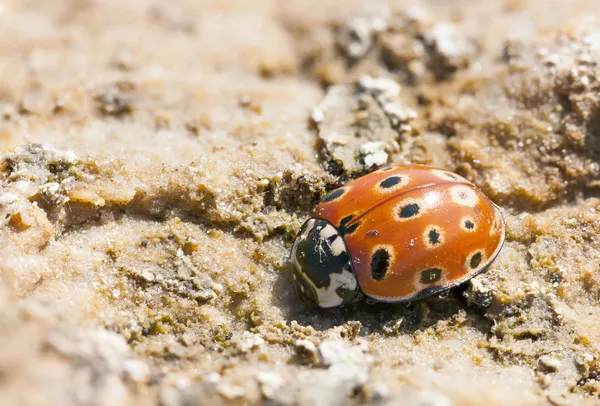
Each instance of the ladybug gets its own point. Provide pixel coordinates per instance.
(396, 235)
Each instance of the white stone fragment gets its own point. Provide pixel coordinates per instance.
(50, 187)
(212, 379)
(270, 383)
(147, 275)
(583, 358)
(374, 153)
(359, 31)
(380, 86)
(136, 370)
(317, 115)
(549, 363)
(398, 113)
(230, 392)
(26, 188)
(7, 198)
(307, 346)
(249, 341)
(336, 351)
(448, 39)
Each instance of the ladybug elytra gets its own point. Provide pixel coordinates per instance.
(396, 235)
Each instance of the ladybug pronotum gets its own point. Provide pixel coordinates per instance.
(396, 235)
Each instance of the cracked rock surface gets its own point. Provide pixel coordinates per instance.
(157, 160)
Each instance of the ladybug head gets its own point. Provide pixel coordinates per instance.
(322, 269)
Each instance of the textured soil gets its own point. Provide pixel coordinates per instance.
(158, 158)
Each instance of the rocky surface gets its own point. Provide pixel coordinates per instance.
(156, 161)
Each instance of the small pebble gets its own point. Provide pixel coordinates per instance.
(136, 370)
(317, 115)
(549, 363)
(230, 392)
(269, 382)
(249, 341)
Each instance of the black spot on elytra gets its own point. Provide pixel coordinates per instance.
(434, 236)
(372, 233)
(390, 182)
(409, 210)
(380, 262)
(350, 229)
(345, 220)
(431, 275)
(344, 228)
(336, 194)
(469, 225)
(475, 260)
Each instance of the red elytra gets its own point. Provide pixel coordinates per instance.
(406, 232)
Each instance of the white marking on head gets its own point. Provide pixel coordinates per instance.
(337, 246)
(464, 195)
(327, 231)
(328, 297)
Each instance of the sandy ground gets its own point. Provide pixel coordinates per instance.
(157, 159)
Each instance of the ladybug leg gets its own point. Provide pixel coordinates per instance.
(424, 311)
(444, 295)
(336, 311)
(359, 296)
(370, 301)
